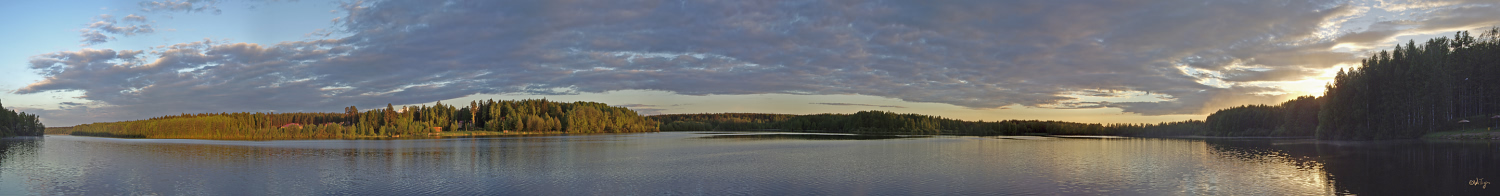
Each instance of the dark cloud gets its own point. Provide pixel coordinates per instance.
(1368, 37)
(1436, 16)
(976, 54)
(858, 104)
(1461, 16)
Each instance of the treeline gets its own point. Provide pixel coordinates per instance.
(881, 122)
(720, 122)
(532, 116)
(544, 116)
(1179, 128)
(1413, 89)
(1416, 89)
(1297, 117)
(14, 123)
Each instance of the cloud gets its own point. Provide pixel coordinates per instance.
(94, 33)
(1286, 74)
(643, 109)
(975, 54)
(1080, 105)
(648, 111)
(857, 104)
(1428, 17)
(1404, 5)
(94, 37)
(134, 18)
(1203, 101)
(134, 24)
(181, 6)
(108, 25)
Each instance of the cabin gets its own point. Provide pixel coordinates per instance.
(291, 125)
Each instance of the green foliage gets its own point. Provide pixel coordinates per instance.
(533, 116)
(14, 123)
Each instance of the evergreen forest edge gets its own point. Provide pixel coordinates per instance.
(14, 123)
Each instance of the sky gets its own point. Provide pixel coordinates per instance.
(81, 61)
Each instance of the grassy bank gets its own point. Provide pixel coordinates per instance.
(1482, 133)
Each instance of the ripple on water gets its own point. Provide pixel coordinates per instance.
(704, 164)
(807, 136)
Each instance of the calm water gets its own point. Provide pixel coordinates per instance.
(728, 164)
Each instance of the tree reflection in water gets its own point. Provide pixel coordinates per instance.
(1400, 167)
(743, 163)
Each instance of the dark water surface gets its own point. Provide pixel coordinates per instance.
(750, 164)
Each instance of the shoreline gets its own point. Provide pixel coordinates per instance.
(1238, 137)
(1446, 135)
(433, 135)
(1471, 134)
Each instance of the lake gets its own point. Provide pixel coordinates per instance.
(718, 163)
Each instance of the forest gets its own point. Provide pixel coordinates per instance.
(511, 117)
(881, 122)
(1443, 84)
(1440, 85)
(1294, 118)
(14, 123)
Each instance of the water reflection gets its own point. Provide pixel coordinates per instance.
(780, 164)
(803, 136)
(17, 154)
(1407, 167)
